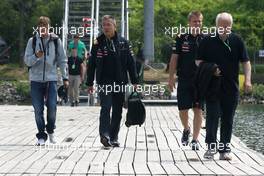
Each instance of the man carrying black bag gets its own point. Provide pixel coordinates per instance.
(111, 59)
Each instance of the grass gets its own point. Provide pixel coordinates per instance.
(13, 72)
(156, 75)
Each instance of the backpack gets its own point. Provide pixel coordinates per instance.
(54, 39)
(136, 113)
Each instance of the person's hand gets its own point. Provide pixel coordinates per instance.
(39, 54)
(171, 84)
(135, 87)
(90, 89)
(82, 79)
(217, 72)
(247, 87)
(66, 84)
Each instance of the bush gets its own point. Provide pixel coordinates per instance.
(258, 91)
(22, 89)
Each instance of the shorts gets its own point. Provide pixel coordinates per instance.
(186, 96)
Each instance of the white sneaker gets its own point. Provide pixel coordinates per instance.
(52, 138)
(40, 142)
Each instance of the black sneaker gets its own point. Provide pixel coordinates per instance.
(185, 137)
(194, 145)
(72, 104)
(76, 103)
(105, 141)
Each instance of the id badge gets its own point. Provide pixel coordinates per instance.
(73, 66)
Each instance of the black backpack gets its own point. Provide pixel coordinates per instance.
(136, 112)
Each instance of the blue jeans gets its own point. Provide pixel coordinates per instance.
(110, 126)
(44, 93)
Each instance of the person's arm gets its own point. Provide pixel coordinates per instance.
(82, 69)
(63, 63)
(247, 73)
(91, 67)
(131, 64)
(244, 59)
(176, 51)
(172, 70)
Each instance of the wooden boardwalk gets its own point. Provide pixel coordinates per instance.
(153, 149)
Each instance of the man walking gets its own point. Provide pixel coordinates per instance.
(44, 52)
(183, 60)
(76, 68)
(226, 50)
(111, 59)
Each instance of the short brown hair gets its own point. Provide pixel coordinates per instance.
(43, 20)
(194, 13)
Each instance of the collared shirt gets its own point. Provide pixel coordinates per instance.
(186, 47)
(227, 55)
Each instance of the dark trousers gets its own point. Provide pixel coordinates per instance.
(224, 109)
(109, 126)
(41, 93)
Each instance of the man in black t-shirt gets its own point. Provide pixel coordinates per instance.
(76, 76)
(183, 61)
(226, 50)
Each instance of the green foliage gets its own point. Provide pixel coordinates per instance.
(258, 91)
(22, 88)
(248, 20)
(17, 14)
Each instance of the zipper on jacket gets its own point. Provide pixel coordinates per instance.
(44, 67)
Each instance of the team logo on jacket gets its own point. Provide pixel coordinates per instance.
(99, 53)
(185, 47)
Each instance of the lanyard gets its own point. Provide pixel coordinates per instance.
(227, 44)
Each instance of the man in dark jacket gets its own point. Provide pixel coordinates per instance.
(111, 59)
(226, 50)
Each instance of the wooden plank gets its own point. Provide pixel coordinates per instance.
(96, 168)
(141, 168)
(179, 156)
(141, 143)
(171, 169)
(172, 141)
(166, 156)
(186, 168)
(52, 167)
(151, 140)
(39, 165)
(115, 155)
(161, 140)
(216, 168)
(156, 169)
(82, 165)
(201, 169)
(258, 168)
(126, 168)
(230, 168)
(131, 138)
(111, 168)
(191, 156)
(140, 156)
(127, 156)
(153, 156)
(247, 169)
